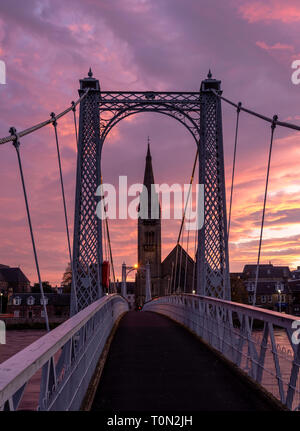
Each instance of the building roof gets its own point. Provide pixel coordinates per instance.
(266, 271)
(181, 255)
(13, 275)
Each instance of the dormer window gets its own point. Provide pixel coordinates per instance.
(44, 301)
(17, 300)
(30, 300)
(250, 287)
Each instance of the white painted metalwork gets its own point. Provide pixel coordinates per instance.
(226, 326)
(67, 356)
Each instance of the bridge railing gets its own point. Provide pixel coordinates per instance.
(66, 357)
(260, 342)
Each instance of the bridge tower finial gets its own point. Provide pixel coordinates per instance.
(209, 75)
(90, 74)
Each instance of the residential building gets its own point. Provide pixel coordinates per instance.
(30, 306)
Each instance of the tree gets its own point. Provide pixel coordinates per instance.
(238, 290)
(46, 287)
(67, 279)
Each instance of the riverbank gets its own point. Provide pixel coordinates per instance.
(13, 324)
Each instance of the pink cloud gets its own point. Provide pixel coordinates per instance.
(271, 10)
(276, 46)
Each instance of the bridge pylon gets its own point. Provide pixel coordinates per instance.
(87, 245)
(212, 253)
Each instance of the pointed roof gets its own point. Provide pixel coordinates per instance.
(148, 181)
(148, 176)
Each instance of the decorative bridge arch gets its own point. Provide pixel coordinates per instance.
(200, 113)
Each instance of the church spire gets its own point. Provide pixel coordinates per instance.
(153, 203)
(148, 176)
(148, 151)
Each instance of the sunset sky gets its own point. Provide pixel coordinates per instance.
(149, 45)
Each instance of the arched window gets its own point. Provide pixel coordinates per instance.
(30, 300)
(17, 300)
(150, 237)
(45, 301)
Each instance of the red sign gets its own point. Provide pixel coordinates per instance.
(105, 274)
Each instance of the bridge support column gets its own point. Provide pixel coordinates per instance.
(87, 245)
(212, 254)
(123, 285)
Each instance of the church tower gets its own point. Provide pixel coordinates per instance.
(149, 237)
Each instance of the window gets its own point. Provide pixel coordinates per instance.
(42, 313)
(270, 298)
(45, 301)
(16, 313)
(17, 300)
(250, 286)
(279, 286)
(149, 238)
(30, 300)
(263, 299)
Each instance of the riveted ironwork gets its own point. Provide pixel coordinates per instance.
(200, 113)
(87, 247)
(212, 255)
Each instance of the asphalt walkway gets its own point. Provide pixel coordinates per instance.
(154, 364)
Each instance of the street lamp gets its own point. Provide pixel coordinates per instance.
(1, 294)
(278, 288)
(125, 271)
(146, 268)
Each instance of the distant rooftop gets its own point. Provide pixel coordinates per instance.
(13, 275)
(266, 271)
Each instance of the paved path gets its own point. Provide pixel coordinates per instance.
(155, 364)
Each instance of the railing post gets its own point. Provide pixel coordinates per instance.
(123, 286)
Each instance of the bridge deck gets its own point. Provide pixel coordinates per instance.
(154, 364)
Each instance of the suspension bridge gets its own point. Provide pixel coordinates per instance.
(190, 349)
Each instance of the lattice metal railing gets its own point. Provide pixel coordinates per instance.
(65, 359)
(269, 356)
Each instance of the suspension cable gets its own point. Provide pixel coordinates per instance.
(180, 269)
(238, 110)
(54, 123)
(16, 144)
(109, 244)
(187, 250)
(187, 200)
(110, 253)
(183, 218)
(75, 121)
(256, 114)
(38, 126)
(195, 259)
(273, 127)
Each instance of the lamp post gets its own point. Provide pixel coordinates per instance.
(125, 271)
(279, 292)
(278, 288)
(1, 294)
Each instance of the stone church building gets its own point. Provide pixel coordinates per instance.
(164, 278)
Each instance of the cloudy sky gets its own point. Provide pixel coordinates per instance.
(149, 45)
